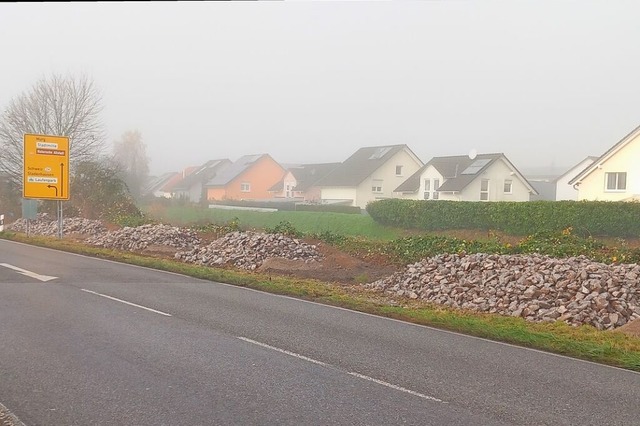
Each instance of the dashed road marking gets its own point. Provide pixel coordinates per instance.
(127, 303)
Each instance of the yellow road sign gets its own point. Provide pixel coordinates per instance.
(46, 167)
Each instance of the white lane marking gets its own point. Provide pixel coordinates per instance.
(43, 278)
(284, 351)
(360, 376)
(125, 302)
(396, 387)
(339, 308)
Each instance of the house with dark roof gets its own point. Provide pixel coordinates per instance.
(370, 174)
(249, 178)
(485, 177)
(615, 175)
(299, 183)
(192, 186)
(161, 186)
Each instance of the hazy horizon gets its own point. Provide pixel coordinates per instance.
(547, 83)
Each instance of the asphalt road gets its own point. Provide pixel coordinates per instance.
(90, 342)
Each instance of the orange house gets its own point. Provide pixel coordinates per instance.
(249, 178)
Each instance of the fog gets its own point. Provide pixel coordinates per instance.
(548, 83)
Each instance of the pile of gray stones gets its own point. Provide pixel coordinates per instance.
(537, 288)
(46, 225)
(248, 250)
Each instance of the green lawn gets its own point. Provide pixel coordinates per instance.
(305, 222)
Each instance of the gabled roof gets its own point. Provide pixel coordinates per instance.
(200, 173)
(604, 157)
(591, 159)
(171, 183)
(156, 182)
(458, 171)
(362, 164)
(306, 175)
(235, 169)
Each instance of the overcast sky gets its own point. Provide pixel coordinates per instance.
(548, 83)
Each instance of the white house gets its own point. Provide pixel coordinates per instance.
(565, 191)
(615, 176)
(371, 173)
(485, 177)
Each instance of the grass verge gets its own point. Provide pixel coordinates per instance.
(606, 347)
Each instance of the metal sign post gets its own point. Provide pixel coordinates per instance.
(60, 221)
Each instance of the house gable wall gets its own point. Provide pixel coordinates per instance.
(387, 178)
(288, 179)
(593, 186)
(260, 176)
(497, 174)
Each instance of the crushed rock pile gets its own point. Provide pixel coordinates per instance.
(248, 250)
(44, 224)
(538, 288)
(143, 236)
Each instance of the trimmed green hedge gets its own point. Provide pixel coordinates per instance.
(598, 218)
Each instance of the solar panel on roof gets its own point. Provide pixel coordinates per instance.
(476, 166)
(379, 152)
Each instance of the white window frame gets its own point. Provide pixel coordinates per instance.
(510, 189)
(398, 170)
(245, 187)
(376, 186)
(484, 192)
(436, 186)
(616, 181)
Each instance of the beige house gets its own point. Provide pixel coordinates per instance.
(485, 177)
(371, 173)
(615, 176)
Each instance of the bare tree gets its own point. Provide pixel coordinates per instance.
(59, 105)
(130, 153)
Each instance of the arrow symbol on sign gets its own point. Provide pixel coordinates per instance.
(61, 181)
(54, 187)
(43, 278)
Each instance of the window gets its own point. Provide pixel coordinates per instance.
(398, 170)
(428, 192)
(377, 185)
(289, 192)
(245, 187)
(508, 186)
(616, 181)
(484, 190)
